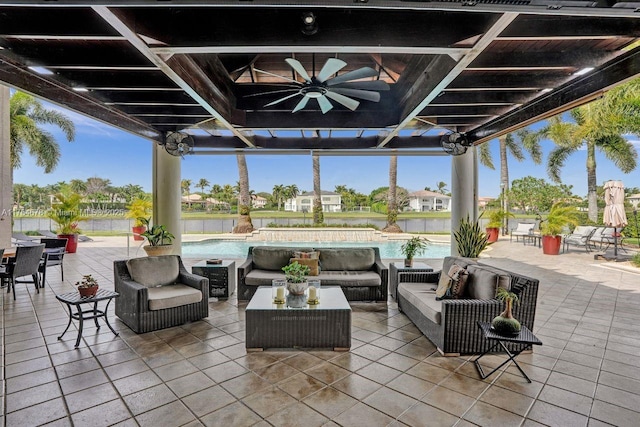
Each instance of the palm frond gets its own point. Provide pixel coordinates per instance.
(555, 162)
(617, 149)
(513, 147)
(485, 156)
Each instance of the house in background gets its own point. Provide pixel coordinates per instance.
(484, 201)
(258, 202)
(331, 202)
(634, 199)
(425, 200)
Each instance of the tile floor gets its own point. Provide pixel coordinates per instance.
(586, 373)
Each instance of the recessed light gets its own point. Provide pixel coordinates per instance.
(81, 89)
(583, 71)
(545, 90)
(41, 70)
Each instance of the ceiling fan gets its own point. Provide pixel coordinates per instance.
(323, 88)
(455, 144)
(178, 143)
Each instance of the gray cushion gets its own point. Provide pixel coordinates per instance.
(423, 298)
(262, 277)
(171, 296)
(504, 278)
(351, 259)
(484, 281)
(462, 262)
(273, 258)
(154, 271)
(349, 278)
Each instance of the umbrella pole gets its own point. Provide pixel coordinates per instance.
(615, 242)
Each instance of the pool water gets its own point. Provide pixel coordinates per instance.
(239, 249)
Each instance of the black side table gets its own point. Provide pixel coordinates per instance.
(524, 337)
(74, 299)
(222, 277)
(395, 268)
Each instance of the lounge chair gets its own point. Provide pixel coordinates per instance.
(523, 229)
(20, 238)
(604, 236)
(580, 237)
(81, 238)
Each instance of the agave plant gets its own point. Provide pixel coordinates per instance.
(470, 238)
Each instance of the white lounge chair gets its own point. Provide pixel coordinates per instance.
(580, 237)
(523, 229)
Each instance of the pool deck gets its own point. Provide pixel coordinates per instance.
(587, 373)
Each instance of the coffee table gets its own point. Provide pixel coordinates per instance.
(326, 325)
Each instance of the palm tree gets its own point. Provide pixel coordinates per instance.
(25, 114)
(527, 141)
(442, 187)
(392, 199)
(202, 184)
(318, 215)
(278, 193)
(244, 202)
(185, 185)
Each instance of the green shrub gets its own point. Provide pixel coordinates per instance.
(635, 260)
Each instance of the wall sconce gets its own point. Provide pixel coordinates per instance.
(309, 24)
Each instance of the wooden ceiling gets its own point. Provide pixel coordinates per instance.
(478, 68)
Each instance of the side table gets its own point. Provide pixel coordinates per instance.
(74, 299)
(222, 277)
(524, 337)
(395, 270)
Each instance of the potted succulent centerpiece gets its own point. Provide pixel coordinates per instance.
(559, 217)
(412, 247)
(296, 275)
(139, 209)
(159, 238)
(505, 323)
(470, 238)
(88, 286)
(66, 213)
(496, 220)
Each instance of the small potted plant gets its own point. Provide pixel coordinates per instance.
(412, 247)
(88, 286)
(505, 323)
(159, 238)
(66, 213)
(496, 220)
(552, 227)
(296, 275)
(470, 238)
(139, 209)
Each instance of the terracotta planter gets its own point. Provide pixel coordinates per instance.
(551, 245)
(72, 242)
(137, 231)
(493, 234)
(158, 250)
(88, 292)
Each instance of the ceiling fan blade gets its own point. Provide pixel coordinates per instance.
(278, 101)
(324, 104)
(257, 70)
(360, 73)
(365, 85)
(301, 104)
(351, 104)
(297, 66)
(330, 67)
(357, 93)
(272, 91)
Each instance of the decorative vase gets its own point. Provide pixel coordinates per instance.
(88, 291)
(505, 323)
(72, 242)
(137, 231)
(408, 262)
(297, 288)
(158, 250)
(492, 234)
(551, 245)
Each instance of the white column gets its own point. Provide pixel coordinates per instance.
(464, 191)
(6, 172)
(166, 193)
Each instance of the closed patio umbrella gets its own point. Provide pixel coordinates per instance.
(614, 214)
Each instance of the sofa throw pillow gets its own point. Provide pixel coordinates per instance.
(443, 285)
(313, 265)
(453, 287)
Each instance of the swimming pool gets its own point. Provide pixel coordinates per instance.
(239, 248)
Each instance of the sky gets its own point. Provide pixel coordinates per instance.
(100, 150)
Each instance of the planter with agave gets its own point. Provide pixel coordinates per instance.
(296, 275)
(470, 238)
(412, 247)
(159, 238)
(505, 323)
(560, 216)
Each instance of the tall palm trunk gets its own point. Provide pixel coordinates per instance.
(244, 208)
(392, 199)
(504, 181)
(318, 216)
(592, 196)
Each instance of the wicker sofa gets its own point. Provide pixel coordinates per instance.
(158, 292)
(451, 324)
(358, 271)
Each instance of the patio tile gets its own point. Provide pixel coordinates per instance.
(574, 384)
(32, 396)
(224, 371)
(302, 385)
(208, 400)
(618, 397)
(32, 379)
(555, 416)
(508, 400)
(189, 384)
(379, 373)
(41, 413)
(172, 414)
(390, 402)
(484, 414)
(149, 399)
(363, 415)
(245, 385)
(420, 412)
(137, 382)
(89, 398)
(566, 399)
(614, 415)
(83, 381)
(356, 386)
(102, 415)
(330, 402)
(411, 386)
(448, 400)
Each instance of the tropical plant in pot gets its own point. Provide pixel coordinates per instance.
(88, 286)
(159, 238)
(505, 323)
(296, 276)
(412, 247)
(496, 220)
(66, 213)
(470, 238)
(138, 209)
(560, 216)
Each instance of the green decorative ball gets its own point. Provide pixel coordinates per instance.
(506, 326)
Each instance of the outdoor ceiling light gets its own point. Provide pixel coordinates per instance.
(583, 71)
(41, 70)
(81, 89)
(309, 24)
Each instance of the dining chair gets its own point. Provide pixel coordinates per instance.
(25, 263)
(55, 250)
